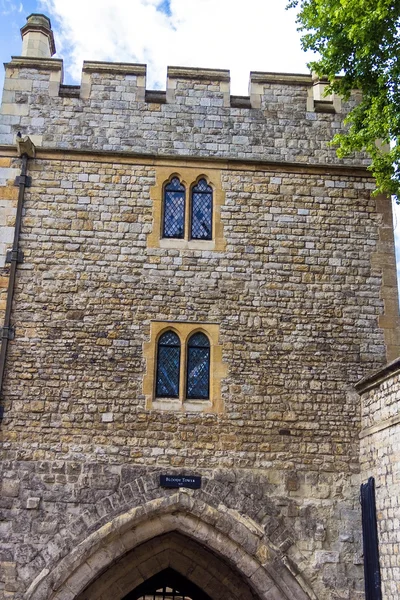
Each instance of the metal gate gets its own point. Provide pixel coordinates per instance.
(167, 585)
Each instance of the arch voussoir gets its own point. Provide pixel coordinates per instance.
(239, 542)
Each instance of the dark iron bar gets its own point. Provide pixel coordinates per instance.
(22, 181)
(372, 574)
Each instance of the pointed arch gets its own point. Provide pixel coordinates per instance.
(201, 210)
(238, 541)
(174, 199)
(168, 365)
(198, 358)
(200, 571)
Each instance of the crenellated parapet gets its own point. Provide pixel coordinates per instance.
(285, 117)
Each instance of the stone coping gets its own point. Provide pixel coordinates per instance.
(33, 62)
(173, 72)
(36, 14)
(286, 78)
(197, 73)
(379, 376)
(216, 161)
(94, 66)
(309, 79)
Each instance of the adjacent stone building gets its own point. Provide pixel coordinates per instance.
(380, 457)
(199, 284)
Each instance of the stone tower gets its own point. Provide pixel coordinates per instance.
(192, 285)
(37, 37)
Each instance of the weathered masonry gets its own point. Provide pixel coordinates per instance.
(380, 456)
(199, 284)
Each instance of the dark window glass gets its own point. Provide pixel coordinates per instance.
(174, 209)
(201, 218)
(168, 359)
(198, 367)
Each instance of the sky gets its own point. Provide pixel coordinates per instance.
(255, 35)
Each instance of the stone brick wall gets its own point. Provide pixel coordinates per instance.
(301, 287)
(52, 507)
(380, 458)
(294, 293)
(297, 301)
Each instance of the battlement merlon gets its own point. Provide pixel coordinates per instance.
(38, 46)
(215, 81)
(284, 118)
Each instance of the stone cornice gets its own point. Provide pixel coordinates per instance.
(379, 376)
(212, 162)
(32, 62)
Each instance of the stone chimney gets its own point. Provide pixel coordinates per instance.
(37, 37)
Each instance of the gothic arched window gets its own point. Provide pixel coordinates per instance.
(174, 209)
(168, 362)
(201, 211)
(198, 367)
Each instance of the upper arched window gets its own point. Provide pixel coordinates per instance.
(198, 367)
(174, 209)
(168, 363)
(201, 211)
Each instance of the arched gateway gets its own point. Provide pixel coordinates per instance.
(178, 543)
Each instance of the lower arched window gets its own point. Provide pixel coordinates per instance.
(184, 367)
(168, 361)
(198, 367)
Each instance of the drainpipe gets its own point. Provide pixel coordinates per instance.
(26, 150)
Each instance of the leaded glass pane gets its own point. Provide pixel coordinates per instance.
(201, 225)
(168, 360)
(174, 209)
(199, 339)
(169, 338)
(198, 367)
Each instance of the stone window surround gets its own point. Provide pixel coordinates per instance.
(188, 176)
(218, 370)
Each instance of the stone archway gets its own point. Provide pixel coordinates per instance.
(204, 569)
(238, 542)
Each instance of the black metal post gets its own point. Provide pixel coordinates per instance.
(15, 257)
(372, 575)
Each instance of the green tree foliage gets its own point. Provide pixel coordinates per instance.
(361, 39)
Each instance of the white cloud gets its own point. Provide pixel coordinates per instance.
(258, 35)
(8, 6)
